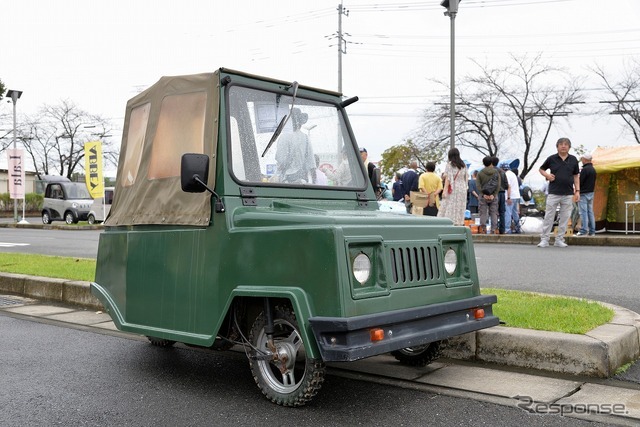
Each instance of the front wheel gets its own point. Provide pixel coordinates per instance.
(70, 218)
(420, 355)
(285, 376)
(91, 219)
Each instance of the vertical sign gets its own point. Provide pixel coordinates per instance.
(93, 168)
(16, 173)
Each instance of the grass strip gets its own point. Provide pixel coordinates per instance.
(552, 313)
(49, 266)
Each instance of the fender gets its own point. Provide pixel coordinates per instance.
(300, 302)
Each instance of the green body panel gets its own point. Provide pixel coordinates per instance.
(178, 282)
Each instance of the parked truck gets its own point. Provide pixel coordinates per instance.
(243, 216)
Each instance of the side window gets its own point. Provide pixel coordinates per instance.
(56, 192)
(135, 142)
(180, 130)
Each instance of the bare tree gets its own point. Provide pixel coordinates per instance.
(626, 95)
(526, 92)
(478, 113)
(54, 139)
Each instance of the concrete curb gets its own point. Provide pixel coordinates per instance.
(620, 239)
(53, 226)
(599, 353)
(70, 292)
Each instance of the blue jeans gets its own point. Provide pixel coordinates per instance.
(501, 210)
(511, 214)
(586, 214)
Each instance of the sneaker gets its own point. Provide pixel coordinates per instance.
(580, 233)
(560, 244)
(592, 234)
(543, 244)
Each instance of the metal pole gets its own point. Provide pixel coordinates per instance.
(14, 98)
(452, 15)
(340, 11)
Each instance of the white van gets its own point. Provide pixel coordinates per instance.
(101, 206)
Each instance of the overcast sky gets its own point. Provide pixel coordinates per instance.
(100, 54)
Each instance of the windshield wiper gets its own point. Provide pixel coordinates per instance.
(283, 121)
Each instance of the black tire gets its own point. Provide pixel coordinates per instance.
(91, 219)
(46, 218)
(159, 342)
(420, 355)
(303, 376)
(70, 218)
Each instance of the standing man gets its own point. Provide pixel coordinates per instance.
(512, 202)
(564, 190)
(294, 155)
(502, 205)
(374, 177)
(431, 184)
(587, 188)
(398, 190)
(410, 183)
(489, 185)
(473, 196)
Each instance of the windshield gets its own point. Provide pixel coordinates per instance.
(314, 148)
(76, 190)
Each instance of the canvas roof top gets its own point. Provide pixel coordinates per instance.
(614, 159)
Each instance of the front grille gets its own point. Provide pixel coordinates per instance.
(413, 265)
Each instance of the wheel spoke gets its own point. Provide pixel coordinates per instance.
(289, 378)
(294, 340)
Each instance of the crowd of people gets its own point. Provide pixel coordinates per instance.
(494, 193)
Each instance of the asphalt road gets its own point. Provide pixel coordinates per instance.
(98, 379)
(608, 274)
(71, 243)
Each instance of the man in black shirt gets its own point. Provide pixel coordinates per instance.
(564, 190)
(502, 202)
(410, 183)
(587, 188)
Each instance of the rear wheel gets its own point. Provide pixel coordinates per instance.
(91, 219)
(285, 376)
(46, 218)
(159, 342)
(420, 355)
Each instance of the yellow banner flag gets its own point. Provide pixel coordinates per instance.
(93, 168)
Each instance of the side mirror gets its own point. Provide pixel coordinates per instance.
(194, 171)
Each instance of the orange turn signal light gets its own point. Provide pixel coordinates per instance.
(376, 334)
(478, 313)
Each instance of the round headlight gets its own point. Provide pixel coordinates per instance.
(361, 268)
(450, 261)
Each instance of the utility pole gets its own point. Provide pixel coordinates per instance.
(342, 44)
(15, 95)
(452, 11)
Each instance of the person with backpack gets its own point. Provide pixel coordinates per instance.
(488, 185)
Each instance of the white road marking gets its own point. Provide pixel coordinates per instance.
(11, 245)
